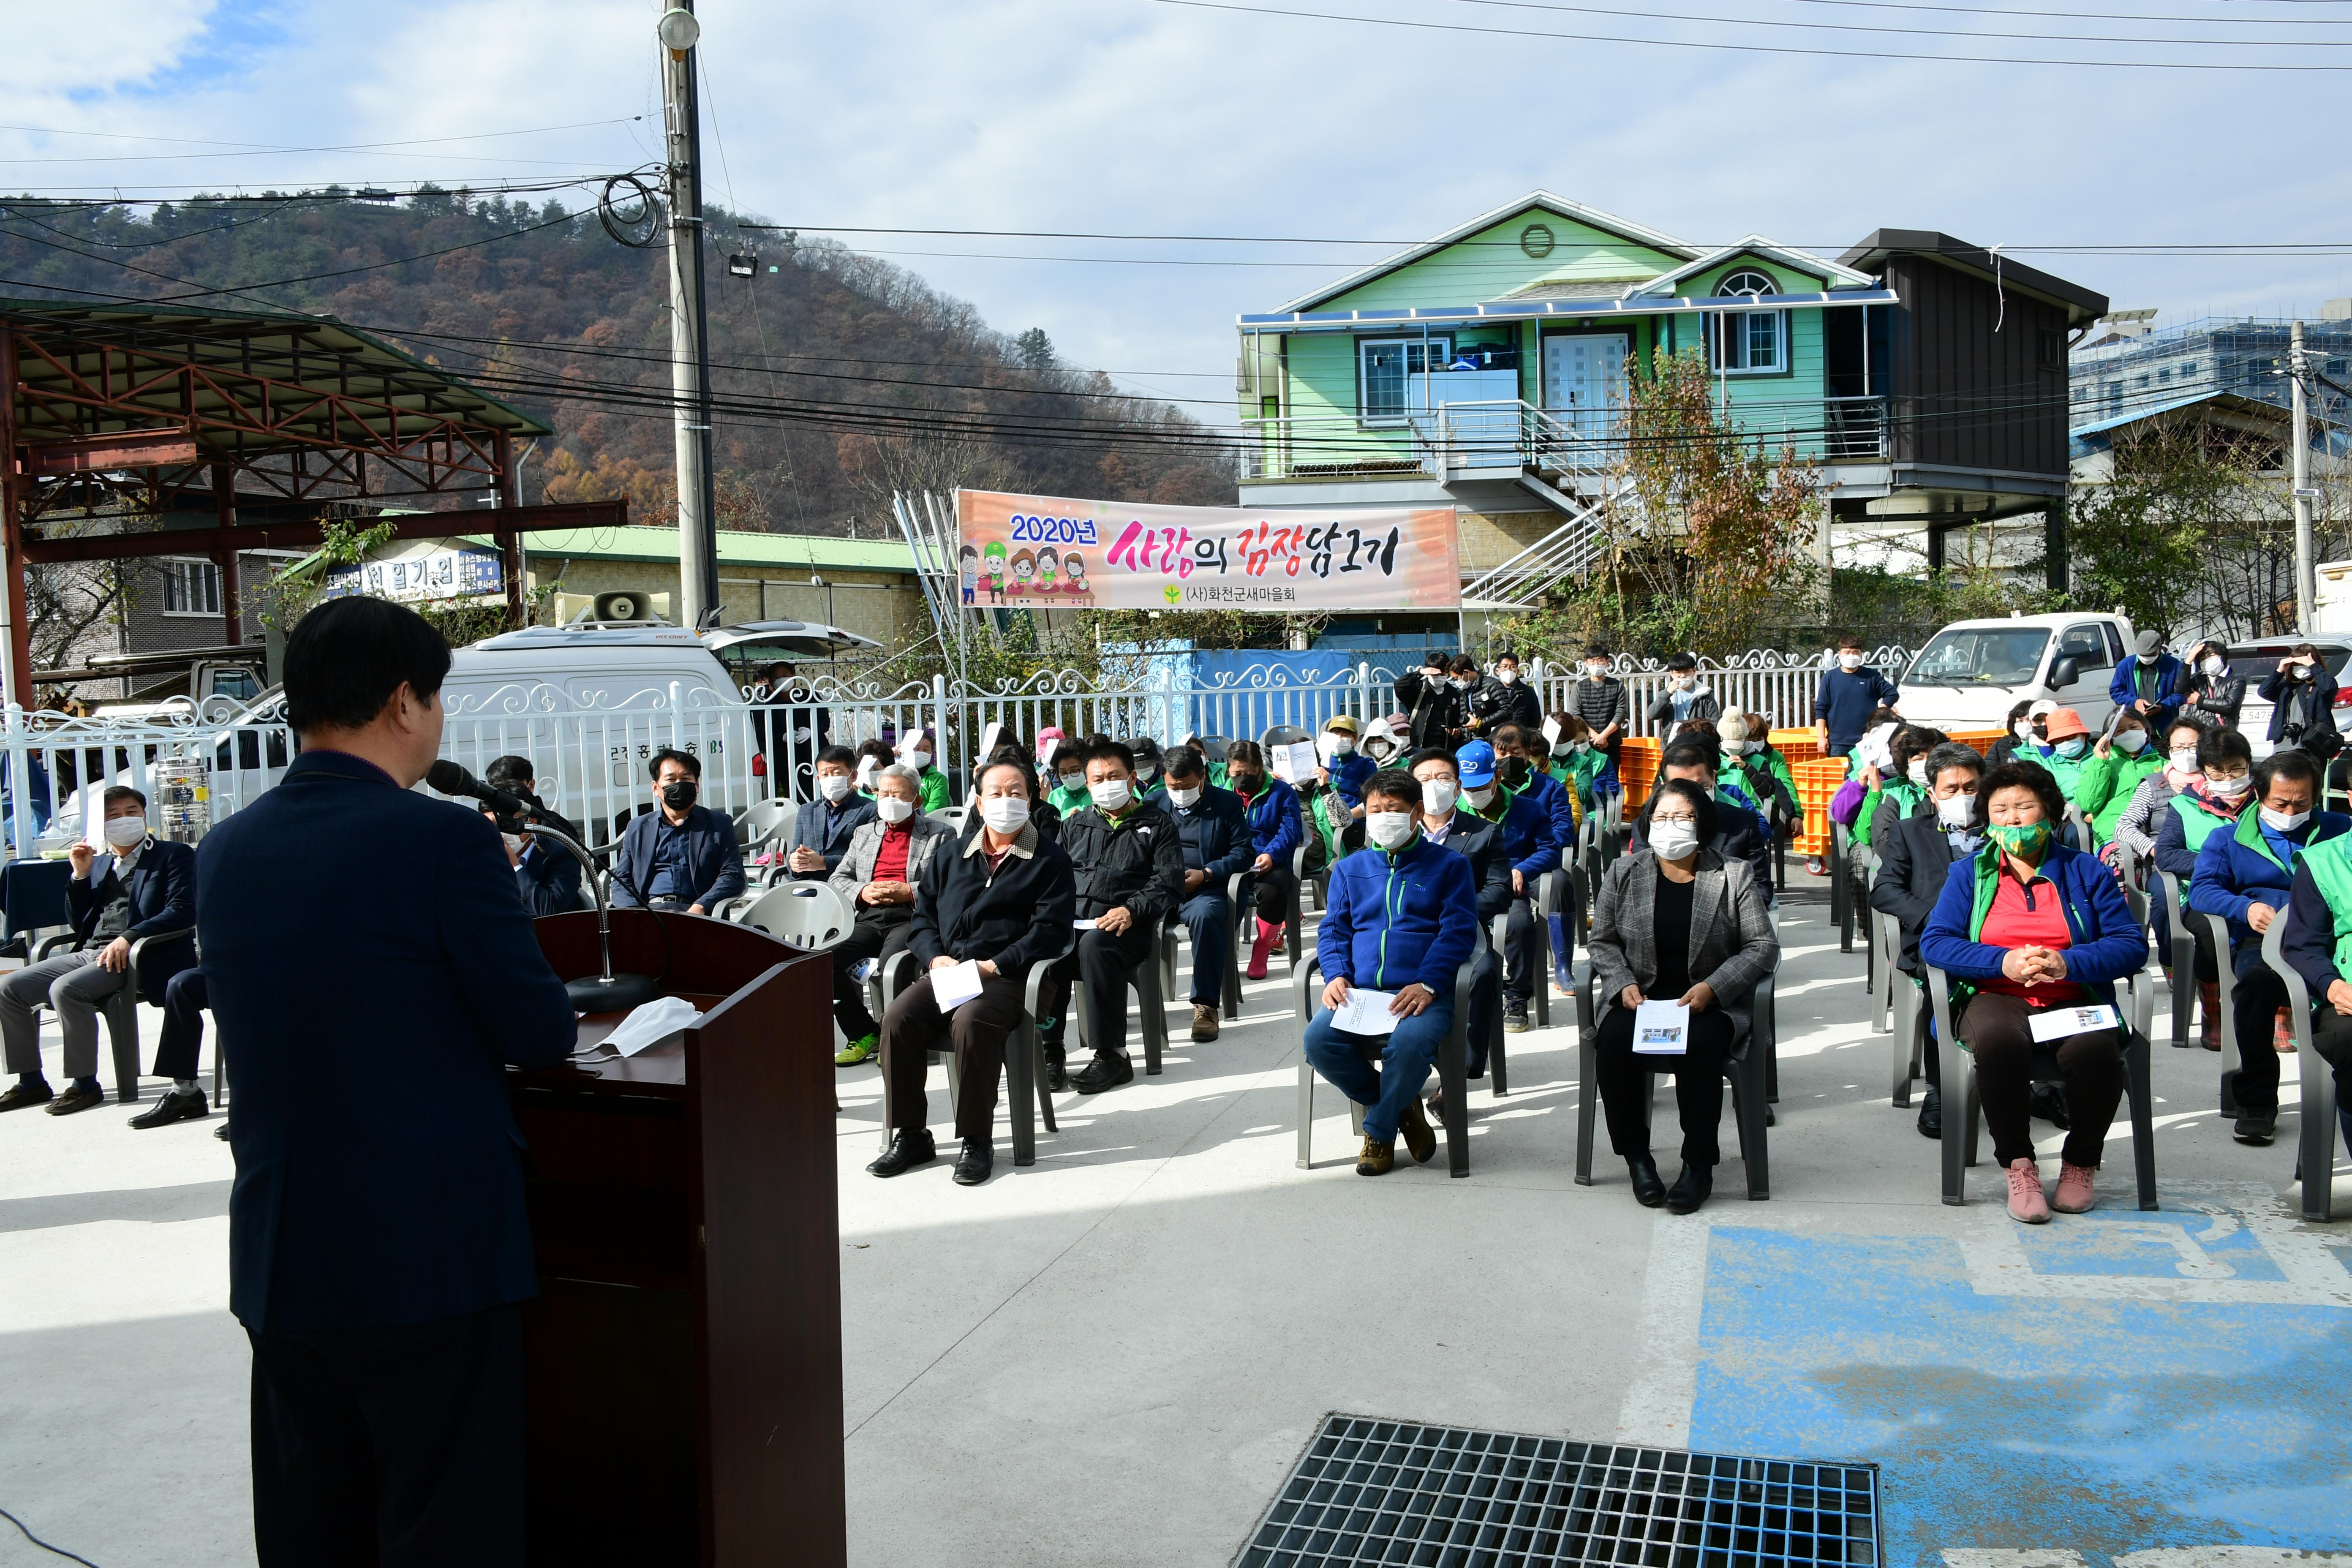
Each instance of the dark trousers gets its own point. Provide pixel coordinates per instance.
(1274, 888)
(1208, 920)
(881, 931)
(1108, 964)
(914, 1026)
(1994, 1028)
(1523, 954)
(2331, 1036)
(1486, 1007)
(2259, 994)
(1698, 1084)
(396, 1447)
(184, 1026)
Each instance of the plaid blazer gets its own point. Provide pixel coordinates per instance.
(857, 868)
(1731, 945)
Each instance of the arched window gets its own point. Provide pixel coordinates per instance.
(1749, 343)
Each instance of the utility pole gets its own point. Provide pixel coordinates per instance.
(689, 332)
(2307, 568)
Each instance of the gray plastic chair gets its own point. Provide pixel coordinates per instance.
(1963, 1107)
(765, 825)
(1230, 993)
(1744, 1068)
(2184, 959)
(2315, 1147)
(1453, 1071)
(2233, 1049)
(809, 916)
(1150, 997)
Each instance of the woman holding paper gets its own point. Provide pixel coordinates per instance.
(1679, 933)
(1274, 831)
(2031, 931)
(1000, 900)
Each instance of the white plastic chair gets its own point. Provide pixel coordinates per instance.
(809, 916)
(766, 824)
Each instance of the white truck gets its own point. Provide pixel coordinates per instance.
(1971, 673)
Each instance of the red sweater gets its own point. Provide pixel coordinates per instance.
(2028, 914)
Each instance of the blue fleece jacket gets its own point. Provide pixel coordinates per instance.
(1348, 775)
(1398, 919)
(2106, 944)
(2234, 874)
(1274, 821)
(1552, 796)
(1527, 834)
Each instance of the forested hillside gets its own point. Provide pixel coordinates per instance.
(839, 376)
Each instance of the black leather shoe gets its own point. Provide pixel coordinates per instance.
(1057, 1070)
(74, 1100)
(978, 1160)
(906, 1151)
(1649, 1188)
(176, 1106)
(1690, 1189)
(22, 1096)
(1107, 1070)
(2049, 1103)
(1931, 1114)
(2255, 1127)
(221, 1132)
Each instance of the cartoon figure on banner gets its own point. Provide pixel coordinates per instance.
(1025, 572)
(968, 563)
(1048, 559)
(995, 556)
(1074, 573)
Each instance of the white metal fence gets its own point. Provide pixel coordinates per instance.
(592, 761)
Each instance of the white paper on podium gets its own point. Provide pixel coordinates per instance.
(1296, 762)
(2056, 1023)
(952, 988)
(1660, 1029)
(1366, 1012)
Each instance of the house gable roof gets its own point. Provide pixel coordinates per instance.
(2080, 304)
(1832, 274)
(1535, 202)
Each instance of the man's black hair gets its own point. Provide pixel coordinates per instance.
(2223, 746)
(1394, 784)
(1689, 752)
(1506, 653)
(511, 770)
(1703, 812)
(1435, 754)
(1462, 661)
(346, 659)
(1435, 658)
(117, 794)
(1102, 748)
(842, 754)
(2286, 762)
(1594, 650)
(1679, 661)
(687, 759)
(1184, 762)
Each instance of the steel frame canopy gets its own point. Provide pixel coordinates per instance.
(301, 415)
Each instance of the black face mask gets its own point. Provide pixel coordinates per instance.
(1513, 771)
(678, 794)
(1245, 784)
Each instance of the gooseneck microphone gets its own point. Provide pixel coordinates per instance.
(603, 993)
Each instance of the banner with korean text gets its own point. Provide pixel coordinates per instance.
(1050, 552)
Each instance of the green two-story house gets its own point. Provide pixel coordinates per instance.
(1487, 368)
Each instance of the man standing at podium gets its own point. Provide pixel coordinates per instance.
(366, 955)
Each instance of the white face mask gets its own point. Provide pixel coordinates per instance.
(1679, 683)
(1674, 840)
(513, 842)
(1390, 830)
(1508, 676)
(1596, 670)
(1848, 661)
(890, 808)
(1480, 798)
(1752, 747)
(1111, 794)
(2214, 665)
(1461, 683)
(1341, 745)
(2284, 821)
(2131, 743)
(122, 832)
(1954, 813)
(1005, 813)
(832, 786)
(2184, 760)
(919, 760)
(2229, 789)
(1175, 796)
(1074, 781)
(1437, 796)
(2023, 731)
(1147, 771)
(1918, 771)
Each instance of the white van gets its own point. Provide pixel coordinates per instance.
(1971, 673)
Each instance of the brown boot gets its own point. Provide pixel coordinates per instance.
(2282, 1034)
(2209, 1014)
(1204, 1021)
(1377, 1160)
(1420, 1138)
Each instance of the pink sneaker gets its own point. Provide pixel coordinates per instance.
(2074, 1192)
(2026, 1204)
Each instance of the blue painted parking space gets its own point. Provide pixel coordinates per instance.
(2109, 1384)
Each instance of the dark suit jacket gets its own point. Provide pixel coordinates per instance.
(1914, 860)
(548, 879)
(827, 829)
(714, 865)
(162, 888)
(364, 949)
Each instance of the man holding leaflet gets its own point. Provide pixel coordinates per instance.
(1402, 919)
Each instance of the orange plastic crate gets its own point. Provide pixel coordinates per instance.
(1983, 740)
(1796, 745)
(1637, 769)
(1817, 779)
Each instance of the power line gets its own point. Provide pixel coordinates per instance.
(2095, 16)
(346, 147)
(1912, 32)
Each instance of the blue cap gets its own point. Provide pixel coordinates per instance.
(1476, 763)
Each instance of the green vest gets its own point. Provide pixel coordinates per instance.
(2197, 825)
(2330, 864)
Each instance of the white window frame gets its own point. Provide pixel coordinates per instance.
(1439, 347)
(1727, 326)
(179, 574)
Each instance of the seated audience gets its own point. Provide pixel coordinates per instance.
(2243, 876)
(1067, 769)
(1277, 828)
(1402, 919)
(1001, 898)
(2151, 801)
(1753, 773)
(178, 1049)
(1347, 767)
(2318, 942)
(681, 855)
(1520, 756)
(137, 886)
(1675, 921)
(873, 756)
(546, 875)
(919, 750)
(1533, 845)
(1215, 828)
(1444, 819)
(2214, 800)
(821, 832)
(2119, 762)
(1737, 834)
(1149, 763)
(878, 876)
(2029, 924)
(1128, 858)
(1914, 863)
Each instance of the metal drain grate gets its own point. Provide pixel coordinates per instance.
(1370, 1491)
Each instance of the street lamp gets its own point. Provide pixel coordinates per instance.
(678, 31)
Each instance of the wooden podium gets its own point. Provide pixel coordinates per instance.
(684, 1356)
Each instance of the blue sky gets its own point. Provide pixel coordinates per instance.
(1136, 116)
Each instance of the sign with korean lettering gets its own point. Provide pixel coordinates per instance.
(441, 574)
(1049, 553)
